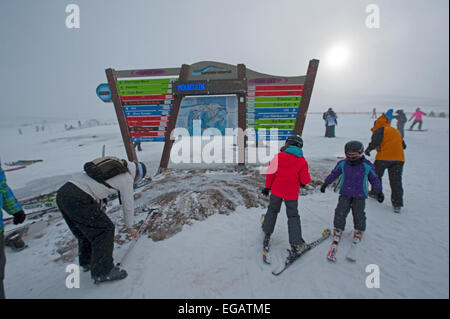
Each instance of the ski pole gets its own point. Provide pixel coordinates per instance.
(136, 236)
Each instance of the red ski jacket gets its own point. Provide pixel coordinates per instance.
(287, 170)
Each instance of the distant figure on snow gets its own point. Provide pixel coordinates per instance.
(417, 118)
(330, 119)
(287, 171)
(401, 121)
(389, 145)
(355, 170)
(138, 145)
(374, 113)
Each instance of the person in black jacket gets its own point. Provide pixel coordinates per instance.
(401, 121)
(330, 119)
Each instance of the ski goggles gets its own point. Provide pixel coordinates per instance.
(353, 156)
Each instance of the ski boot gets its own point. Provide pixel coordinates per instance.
(296, 250)
(337, 234)
(86, 268)
(357, 236)
(397, 209)
(115, 274)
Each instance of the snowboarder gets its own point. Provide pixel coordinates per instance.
(417, 119)
(80, 201)
(355, 170)
(390, 147)
(287, 171)
(330, 119)
(9, 203)
(401, 121)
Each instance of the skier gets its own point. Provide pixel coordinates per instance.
(138, 145)
(287, 171)
(330, 118)
(355, 170)
(389, 144)
(374, 113)
(417, 118)
(9, 203)
(80, 202)
(401, 121)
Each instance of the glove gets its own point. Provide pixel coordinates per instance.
(265, 191)
(380, 197)
(19, 217)
(367, 152)
(323, 187)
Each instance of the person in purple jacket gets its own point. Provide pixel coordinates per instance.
(356, 170)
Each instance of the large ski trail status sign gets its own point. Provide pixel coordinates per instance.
(147, 102)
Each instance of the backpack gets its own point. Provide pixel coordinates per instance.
(104, 168)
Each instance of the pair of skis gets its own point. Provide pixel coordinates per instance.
(289, 261)
(351, 253)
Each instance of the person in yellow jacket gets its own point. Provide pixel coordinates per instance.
(389, 144)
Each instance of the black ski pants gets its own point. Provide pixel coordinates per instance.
(90, 225)
(414, 124)
(357, 205)
(294, 224)
(395, 171)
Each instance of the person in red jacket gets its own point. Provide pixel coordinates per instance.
(287, 171)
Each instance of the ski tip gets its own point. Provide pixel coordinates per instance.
(326, 232)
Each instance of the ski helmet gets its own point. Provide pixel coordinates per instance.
(295, 140)
(354, 147)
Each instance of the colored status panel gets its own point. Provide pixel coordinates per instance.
(269, 126)
(272, 116)
(147, 113)
(273, 104)
(148, 139)
(146, 97)
(273, 98)
(264, 132)
(148, 107)
(147, 128)
(144, 92)
(148, 102)
(274, 93)
(287, 87)
(147, 118)
(148, 133)
(144, 87)
(146, 123)
(145, 81)
(272, 121)
(273, 110)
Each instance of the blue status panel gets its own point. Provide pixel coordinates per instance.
(148, 139)
(147, 113)
(191, 87)
(160, 107)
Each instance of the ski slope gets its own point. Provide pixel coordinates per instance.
(220, 256)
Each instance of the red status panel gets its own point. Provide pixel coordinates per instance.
(147, 123)
(151, 102)
(147, 128)
(288, 87)
(147, 118)
(146, 97)
(275, 93)
(139, 134)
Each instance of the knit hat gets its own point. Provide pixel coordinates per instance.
(389, 114)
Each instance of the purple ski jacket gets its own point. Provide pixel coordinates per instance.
(354, 178)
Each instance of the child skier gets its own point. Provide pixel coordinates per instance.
(287, 171)
(355, 170)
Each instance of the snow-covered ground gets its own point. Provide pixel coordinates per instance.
(220, 256)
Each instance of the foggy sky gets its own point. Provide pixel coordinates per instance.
(50, 70)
